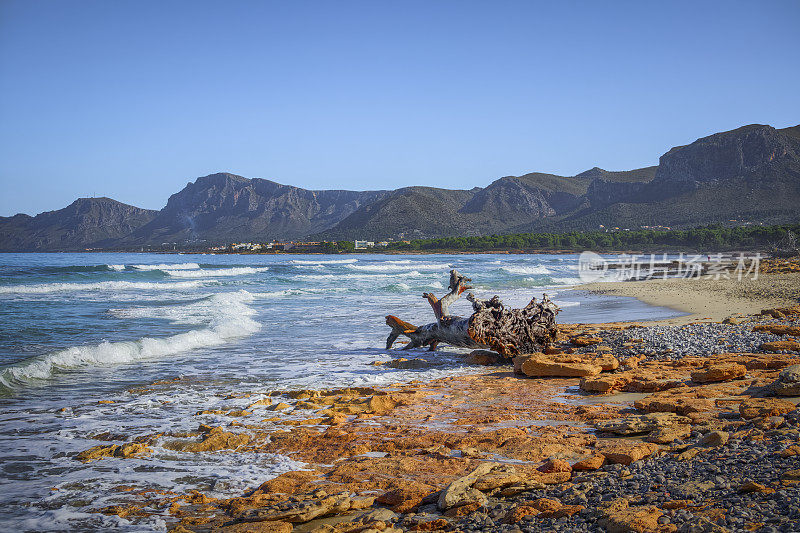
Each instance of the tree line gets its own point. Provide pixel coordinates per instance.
(709, 238)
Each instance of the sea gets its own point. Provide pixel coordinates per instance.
(101, 348)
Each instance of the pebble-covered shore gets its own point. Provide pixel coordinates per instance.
(619, 427)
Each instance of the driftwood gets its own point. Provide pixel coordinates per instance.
(491, 326)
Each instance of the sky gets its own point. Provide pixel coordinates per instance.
(134, 99)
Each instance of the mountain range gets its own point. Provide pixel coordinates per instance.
(750, 174)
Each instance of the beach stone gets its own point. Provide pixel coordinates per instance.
(626, 453)
(405, 498)
(779, 329)
(408, 364)
(619, 517)
(788, 382)
(751, 486)
(499, 477)
(606, 362)
(256, 527)
(781, 346)
(483, 357)
(667, 435)
(555, 465)
(715, 438)
(542, 367)
(300, 511)
(760, 407)
(590, 463)
(123, 451)
(217, 439)
(719, 372)
(460, 491)
(585, 340)
(634, 424)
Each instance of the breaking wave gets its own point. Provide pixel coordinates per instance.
(536, 269)
(229, 318)
(234, 271)
(165, 266)
(45, 288)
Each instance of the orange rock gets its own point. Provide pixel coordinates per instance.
(544, 504)
(431, 525)
(519, 512)
(590, 463)
(585, 340)
(403, 499)
(605, 384)
(464, 510)
(542, 367)
(626, 452)
(257, 527)
(779, 329)
(781, 346)
(751, 486)
(758, 407)
(618, 517)
(719, 372)
(555, 465)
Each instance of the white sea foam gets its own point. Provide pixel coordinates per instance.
(116, 267)
(365, 276)
(398, 266)
(98, 286)
(167, 266)
(215, 272)
(536, 269)
(567, 281)
(230, 319)
(323, 262)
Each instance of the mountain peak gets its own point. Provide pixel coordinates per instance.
(592, 173)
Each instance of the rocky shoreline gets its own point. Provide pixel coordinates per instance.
(615, 427)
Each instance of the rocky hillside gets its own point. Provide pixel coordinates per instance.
(85, 223)
(225, 207)
(751, 174)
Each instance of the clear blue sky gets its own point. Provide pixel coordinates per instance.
(134, 99)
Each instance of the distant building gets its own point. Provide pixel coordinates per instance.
(363, 245)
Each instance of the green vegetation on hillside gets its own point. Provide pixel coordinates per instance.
(709, 238)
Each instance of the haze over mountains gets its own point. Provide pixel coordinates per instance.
(751, 174)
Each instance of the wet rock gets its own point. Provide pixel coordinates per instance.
(545, 367)
(761, 407)
(605, 384)
(460, 492)
(483, 357)
(788, 382)
(217, 439)
(719, 372)
(123, 451)
(408, 364)
(502, 476)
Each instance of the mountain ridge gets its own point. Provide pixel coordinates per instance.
(751, 174)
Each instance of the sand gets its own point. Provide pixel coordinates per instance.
(709, 299)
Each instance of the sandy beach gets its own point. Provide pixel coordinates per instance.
(709, 299)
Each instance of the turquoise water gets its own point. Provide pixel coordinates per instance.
(79, 328)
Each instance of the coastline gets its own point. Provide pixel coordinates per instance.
(708, 299)
(607, 431)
